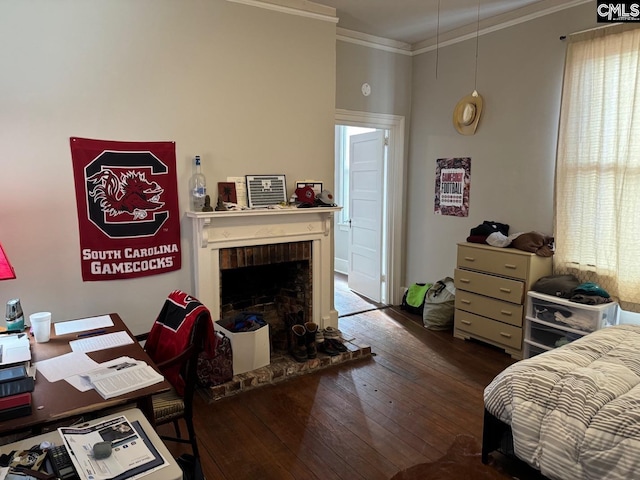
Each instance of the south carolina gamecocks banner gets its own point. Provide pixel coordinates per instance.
(127, 199)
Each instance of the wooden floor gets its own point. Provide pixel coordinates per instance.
(367, 419)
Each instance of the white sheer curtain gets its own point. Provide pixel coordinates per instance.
(597, 217)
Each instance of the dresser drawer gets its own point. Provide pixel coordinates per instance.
(490, 307)
(497, 261)
(489, 285)
(492, 330)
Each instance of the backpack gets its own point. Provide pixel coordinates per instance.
(413, 298)
(439, 305)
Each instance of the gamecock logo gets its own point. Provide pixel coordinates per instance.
(124, 193)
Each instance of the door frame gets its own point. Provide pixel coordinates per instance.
(394, 176)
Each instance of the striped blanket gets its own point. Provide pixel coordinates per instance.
(575, 411)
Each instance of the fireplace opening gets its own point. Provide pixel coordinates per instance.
(272, 280)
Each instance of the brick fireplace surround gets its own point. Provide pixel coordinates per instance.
(244, 238)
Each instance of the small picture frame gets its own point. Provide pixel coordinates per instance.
(266, 190)
(316, 186)
(227, 190)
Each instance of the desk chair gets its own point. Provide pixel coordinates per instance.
(175, 341)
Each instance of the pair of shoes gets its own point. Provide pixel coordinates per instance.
(304, 344)
(336, 345)
(332, 332)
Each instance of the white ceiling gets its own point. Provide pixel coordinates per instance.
(412, 21)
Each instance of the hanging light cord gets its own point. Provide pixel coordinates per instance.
(437, 38)
(475, 80)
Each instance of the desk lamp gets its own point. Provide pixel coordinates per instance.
(6, 270)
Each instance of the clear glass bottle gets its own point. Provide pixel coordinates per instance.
(198, 188)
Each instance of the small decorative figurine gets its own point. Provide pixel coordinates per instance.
(220, 207)
(207, 204)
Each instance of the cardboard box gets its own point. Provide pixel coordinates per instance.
(250, 349)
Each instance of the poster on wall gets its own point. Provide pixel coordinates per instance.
(453, 178)
(127, 202)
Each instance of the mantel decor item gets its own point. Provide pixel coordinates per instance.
(266, 190)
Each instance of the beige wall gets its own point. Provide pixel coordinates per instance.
(250, 90)
(513, 151)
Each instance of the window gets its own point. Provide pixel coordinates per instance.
(597, 224)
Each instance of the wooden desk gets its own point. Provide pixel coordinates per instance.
(171, 472)
(56, 401)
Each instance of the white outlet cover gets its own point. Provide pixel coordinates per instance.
(366, 89)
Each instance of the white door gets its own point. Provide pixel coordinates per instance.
(366, 162)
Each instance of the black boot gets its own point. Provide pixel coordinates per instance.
(290, 320)
(299, 348)
(311, 329)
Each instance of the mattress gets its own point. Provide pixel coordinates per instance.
(574, 411)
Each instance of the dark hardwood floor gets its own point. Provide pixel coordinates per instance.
(367, 419)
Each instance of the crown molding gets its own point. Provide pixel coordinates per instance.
(379, 43)
(300, 8)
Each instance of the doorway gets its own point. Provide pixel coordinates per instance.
(391, 193)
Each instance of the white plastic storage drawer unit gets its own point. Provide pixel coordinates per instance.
(551, 322)
(564, 312)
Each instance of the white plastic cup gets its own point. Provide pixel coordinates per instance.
(41, 326)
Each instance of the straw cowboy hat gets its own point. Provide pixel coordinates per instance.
(467, 113)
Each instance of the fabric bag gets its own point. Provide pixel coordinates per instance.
(413, 299)
(439, 305)
(216, 369)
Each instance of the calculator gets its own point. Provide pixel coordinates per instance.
(61, 463)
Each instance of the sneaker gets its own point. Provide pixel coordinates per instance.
(336, 345)
(326, 347)
(332, 332)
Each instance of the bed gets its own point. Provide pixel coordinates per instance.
(572, 412)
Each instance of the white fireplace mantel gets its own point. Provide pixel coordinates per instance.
(212, 231)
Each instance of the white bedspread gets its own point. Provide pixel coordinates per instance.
(575, 411)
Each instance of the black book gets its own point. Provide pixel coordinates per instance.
(13, 387)
(15, 412)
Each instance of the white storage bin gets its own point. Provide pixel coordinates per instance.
(564, 312)
(250, 349)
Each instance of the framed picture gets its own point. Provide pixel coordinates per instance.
(227, 190)
(266, 190)
(316, 186)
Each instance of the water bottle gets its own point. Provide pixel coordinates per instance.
(14, 316)
(198, 188)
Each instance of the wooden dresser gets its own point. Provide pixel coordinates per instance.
(491, 288)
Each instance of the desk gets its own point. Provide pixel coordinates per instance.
(171, 472)
(55, 401)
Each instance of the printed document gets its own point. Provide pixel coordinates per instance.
(122, 377)
(82, 324)
(100, 342)
(132, 455)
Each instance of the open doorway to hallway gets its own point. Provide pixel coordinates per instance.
(360, 237)
(392, 224)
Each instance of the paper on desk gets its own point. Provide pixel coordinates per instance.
(82, 324)
(82, 383)
(14, 348)
(67, 365)
(100, 342)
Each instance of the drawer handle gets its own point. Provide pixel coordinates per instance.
(505, 290)
(509, 265)
(506, 335)
(465, 280)
(470, 259)
(506, 312)
(465, 301)
(466, 322)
